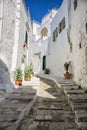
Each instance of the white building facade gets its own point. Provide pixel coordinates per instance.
(41, 38)
(67, 41)
(15, 35)
(59, 45)
(78, 40)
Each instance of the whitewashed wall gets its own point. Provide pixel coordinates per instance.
(13, 17)
(78, 37)
(59, 50)
(40, 43)
(7, 32)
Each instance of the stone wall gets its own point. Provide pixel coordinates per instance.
(7, 32)
(78, 39)
(59, 49)
(14, 22)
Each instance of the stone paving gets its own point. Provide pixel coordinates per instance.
(51, 110)
(60, 105)
(15, 105)
(77, 98)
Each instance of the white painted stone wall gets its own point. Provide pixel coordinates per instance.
(78, 37)
(59, 50)
(40, 44)
(7, 32)
(13, 18)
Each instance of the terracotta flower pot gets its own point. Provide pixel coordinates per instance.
(18, 82)
(67, 75)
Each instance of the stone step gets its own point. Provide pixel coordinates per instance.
(15, 97)
(70, 126)
(71, 87)
(12, 105)
(2, 92)
(82, 125)
(44, 107)
(78, 101)
(23, 91)
(66, 82)
(5, 124)
(10, 111)
(62, 99)
(81, 111)
(43, 118)
(75, 91)
(8, 117)
(78, 96)
(82, 117)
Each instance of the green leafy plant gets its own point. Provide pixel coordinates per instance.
(66, 66)
(18, 74)
(46, 71)
(28, 71)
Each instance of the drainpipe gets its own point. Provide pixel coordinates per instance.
(16, 35)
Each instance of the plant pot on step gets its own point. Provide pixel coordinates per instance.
(18, 76)
(67, 75)
(18, 82)
(26, 78)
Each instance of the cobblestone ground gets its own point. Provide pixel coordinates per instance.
(50, 112)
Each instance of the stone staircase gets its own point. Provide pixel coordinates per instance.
(15, 105)
(76, 97)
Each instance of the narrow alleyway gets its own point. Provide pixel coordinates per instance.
(50, 112)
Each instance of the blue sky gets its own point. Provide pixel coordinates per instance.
(38, 8)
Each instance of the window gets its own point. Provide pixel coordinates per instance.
(44, 32)
(26, 37)
(59, 29)
(75, 4)
(86, 27)
(56, 30)
(54, 36)
(62, 25)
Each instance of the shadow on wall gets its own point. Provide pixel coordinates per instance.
(5, 81)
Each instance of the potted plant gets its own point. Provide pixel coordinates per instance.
(28, 72)
(18, 76)
(46, 71)
(67, 75)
